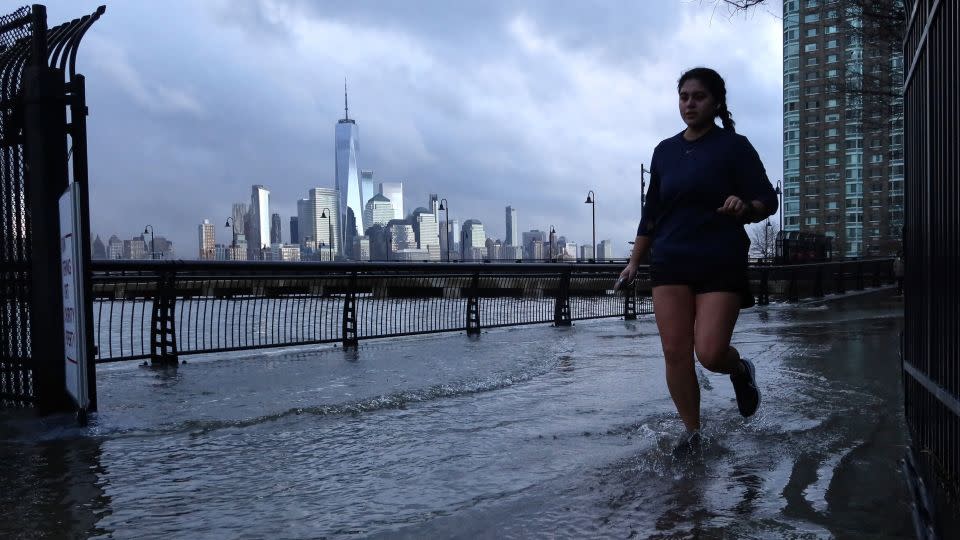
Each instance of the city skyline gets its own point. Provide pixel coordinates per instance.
(552, 108)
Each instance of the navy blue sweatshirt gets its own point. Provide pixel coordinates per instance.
(689, 180)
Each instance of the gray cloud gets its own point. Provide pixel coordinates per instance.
(487, 104)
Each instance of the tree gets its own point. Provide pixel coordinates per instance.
(763, 239)
(872, 82)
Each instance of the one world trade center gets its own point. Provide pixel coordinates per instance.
(348, 180)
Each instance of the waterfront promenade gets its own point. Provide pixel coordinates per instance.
(519, 432)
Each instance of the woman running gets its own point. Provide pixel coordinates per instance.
(706, 183)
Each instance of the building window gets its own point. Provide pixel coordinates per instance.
(810, 47)
(813, 17)
(832, 44)
(832, 161)
(832, 132)
(810, 178)
(812, 90)
(832, 205)
(812, 104)
(812, 75)
(810, 220)
(813, 133)
(813, 163)
(812, 61)
(830, 30)
(832, 147)
(832, 59)
(831, 177)
(876, 158)
(832, 117)
(813, 148)
(833, 103)
(833, 73)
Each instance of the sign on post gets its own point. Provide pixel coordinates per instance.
(71, 274)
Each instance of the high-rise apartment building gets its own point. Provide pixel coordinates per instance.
(258, 222)
(305, 231)
(207, 241)
(394, 192)
(351, 198)
(513, 234)
(842, 153)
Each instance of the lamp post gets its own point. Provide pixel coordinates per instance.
(153, 249)
(643, 187)
(592, 201)
(550, 240)
(445, 206)
(326, 214)
(233, 237)
(779, 192)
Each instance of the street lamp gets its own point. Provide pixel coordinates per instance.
(592, 201)
(779, 192)
(550, 240)
(643, 187)
(153, 248)
(446, 228)
(326, 214)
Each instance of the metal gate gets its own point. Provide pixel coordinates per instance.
(931, 349)
(39, 150)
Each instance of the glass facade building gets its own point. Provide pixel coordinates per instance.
(258, 222)
(347, 181)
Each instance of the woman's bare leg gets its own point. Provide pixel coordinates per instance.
(717, 314)
(675, 310)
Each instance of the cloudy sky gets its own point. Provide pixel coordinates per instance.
(529, 104)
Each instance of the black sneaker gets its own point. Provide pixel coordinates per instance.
(688, 445)
(745, 386)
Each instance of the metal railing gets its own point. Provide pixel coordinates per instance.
(931, 350)
(163, 309)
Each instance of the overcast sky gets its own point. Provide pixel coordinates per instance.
(488, 104)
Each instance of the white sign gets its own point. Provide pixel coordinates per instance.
(71, 274)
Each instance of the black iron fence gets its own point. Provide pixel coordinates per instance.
(931, 349)
(160, 310)
(42, 144)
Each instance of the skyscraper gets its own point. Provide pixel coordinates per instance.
(322, 199)
(474, 243)
(842, 153)
(350, 203)
(379, 211)
(207, 240)
(99, 250)
(295, 229)
(366, 187)
(258, 222)
(276, 236)
(394, 192)
(513, 233)
(305, 230)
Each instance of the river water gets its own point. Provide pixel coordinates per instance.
(519, 432)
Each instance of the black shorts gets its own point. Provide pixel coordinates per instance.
(705, 280)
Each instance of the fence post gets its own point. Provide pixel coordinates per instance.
(473, 306)
(630, 303)
(840, 286)
(818, 283)
(859, 284)
(793, 292)
(876, 274)
(163, 330)
(561, 307)
(764, 287)
(349, 322)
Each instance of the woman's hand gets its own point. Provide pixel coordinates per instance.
(734, 206)
(626, 276)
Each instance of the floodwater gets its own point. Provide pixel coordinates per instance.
(520, 432)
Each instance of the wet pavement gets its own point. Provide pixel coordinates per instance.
(520, 432)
